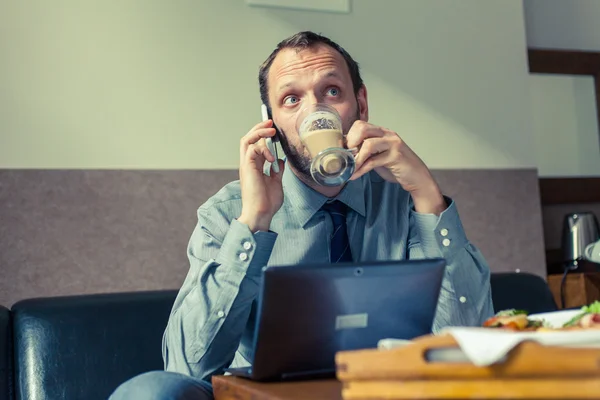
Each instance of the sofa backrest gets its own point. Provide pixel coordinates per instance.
(83, 347)
(521, 291)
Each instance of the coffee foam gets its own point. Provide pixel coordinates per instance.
(320, 120)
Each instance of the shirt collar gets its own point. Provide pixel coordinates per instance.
(305, 201)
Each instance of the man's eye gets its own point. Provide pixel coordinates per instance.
(290, 100)
(333, 91)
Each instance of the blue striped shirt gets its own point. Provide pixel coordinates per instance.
(211, 325)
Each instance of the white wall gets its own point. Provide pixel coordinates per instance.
(564, 112)
(563, 24)
(149, 83)
(565, 125)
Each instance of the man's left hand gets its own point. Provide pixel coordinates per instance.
(385, 152)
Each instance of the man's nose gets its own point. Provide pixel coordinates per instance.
(313, 98)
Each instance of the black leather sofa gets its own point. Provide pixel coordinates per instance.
(83, 347)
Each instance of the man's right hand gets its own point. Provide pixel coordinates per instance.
(262, 195)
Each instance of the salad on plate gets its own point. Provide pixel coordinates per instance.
(588, 317)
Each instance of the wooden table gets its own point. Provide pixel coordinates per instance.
(234, 388)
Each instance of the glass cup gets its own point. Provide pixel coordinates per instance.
(320, 130)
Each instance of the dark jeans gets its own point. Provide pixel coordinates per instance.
(162, 385)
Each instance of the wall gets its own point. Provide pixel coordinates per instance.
(563, 24)
(565, 125)
(81, 231)
(563, 107)
(146, 84)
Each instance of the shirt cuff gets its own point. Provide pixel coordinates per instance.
(441, 236)
(245, 251)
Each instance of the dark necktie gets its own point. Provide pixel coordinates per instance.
(340, 245)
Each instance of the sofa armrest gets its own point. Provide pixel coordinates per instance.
(5, 354)
(83, 347)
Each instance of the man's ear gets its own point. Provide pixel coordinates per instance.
(363, 104)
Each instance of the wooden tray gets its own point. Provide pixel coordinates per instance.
(474, 389)
(530, 370)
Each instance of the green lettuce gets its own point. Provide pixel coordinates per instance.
(591, 309)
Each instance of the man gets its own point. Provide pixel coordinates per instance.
(393, 210)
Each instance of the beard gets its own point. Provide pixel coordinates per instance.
(298, 160)
(296, 156)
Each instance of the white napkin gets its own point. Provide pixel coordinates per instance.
(486, 346)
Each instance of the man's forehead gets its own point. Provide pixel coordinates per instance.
(291, 61)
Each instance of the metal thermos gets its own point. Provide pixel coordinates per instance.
(579, 230)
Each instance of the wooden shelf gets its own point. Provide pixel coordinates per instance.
(569, 190)
(580, 288)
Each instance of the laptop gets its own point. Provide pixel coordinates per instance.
(307, 313)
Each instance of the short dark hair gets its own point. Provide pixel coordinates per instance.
(301, 41)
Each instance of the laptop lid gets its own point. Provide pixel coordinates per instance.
(307, 313)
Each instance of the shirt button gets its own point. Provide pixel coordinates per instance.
(446, 242)
(220, 314)
(243, 256)
(462, 299)
(247, 245)
(444, 232)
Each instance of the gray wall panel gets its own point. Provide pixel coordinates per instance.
(79, 231)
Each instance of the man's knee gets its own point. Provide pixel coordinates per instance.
(162, 385)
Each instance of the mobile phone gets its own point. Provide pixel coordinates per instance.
(271, 141)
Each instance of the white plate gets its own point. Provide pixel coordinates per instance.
(556, 319)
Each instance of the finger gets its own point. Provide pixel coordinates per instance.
(360, 131)
(278, 176)
(254, 136)
(263, 124)
(371, 147)
(257, 154)
(373, 162)
(250, 137)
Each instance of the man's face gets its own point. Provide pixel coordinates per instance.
(299, 78)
